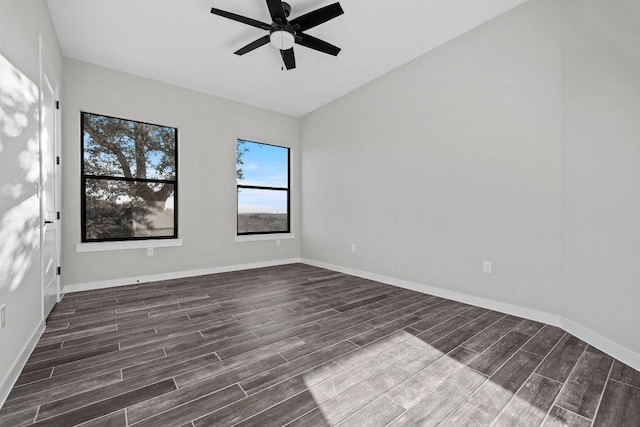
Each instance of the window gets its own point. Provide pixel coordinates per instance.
(129, 180)
(263, 188)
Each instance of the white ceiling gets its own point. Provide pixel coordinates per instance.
(182, 43)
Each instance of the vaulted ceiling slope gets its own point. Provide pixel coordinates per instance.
(182, 43)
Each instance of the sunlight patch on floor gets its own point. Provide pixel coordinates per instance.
(363, 368)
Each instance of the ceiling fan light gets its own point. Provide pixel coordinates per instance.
(282, 40)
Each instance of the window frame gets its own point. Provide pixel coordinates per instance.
(84, 177)
(258, 187)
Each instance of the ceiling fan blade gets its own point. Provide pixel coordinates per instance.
(253, 45)
(317, 17)
(289, 58)
(320, 45)
(240, 18)
(276, 11)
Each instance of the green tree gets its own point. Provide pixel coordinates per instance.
(241, 149)
(122, 148)
(116, 147)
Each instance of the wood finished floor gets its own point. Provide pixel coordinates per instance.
(302, 346)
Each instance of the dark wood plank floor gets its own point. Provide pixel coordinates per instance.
(302, 346)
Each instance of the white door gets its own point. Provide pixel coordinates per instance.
(48, 178)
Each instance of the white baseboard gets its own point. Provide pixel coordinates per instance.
(103, 284)
(613, 349)
(14, 372)
(503, 307)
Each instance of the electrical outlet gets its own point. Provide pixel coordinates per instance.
(2, 317)
(278, 242)
(149, 251)
(487, 267)
(353, 247)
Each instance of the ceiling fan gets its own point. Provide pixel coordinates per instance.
(283, 34)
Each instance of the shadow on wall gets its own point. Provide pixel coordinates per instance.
(19, 174)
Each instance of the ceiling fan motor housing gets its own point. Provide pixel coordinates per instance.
(282, 36)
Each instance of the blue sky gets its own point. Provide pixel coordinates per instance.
(264, 165)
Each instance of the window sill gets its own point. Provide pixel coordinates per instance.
(259, 237)
(120, 246)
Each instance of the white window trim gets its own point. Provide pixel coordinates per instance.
(259, 237)
(124, 245)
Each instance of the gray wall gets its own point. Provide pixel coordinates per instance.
(602, 168)
(450, 160)
(21, 23)
(207, 131)
(518, 143)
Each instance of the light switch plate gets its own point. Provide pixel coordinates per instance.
(487, 267)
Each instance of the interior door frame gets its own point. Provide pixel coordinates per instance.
(47, 72)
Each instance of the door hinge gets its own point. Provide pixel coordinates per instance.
(59, 270)
(57, 215)
(57, 105)
(57, 160)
